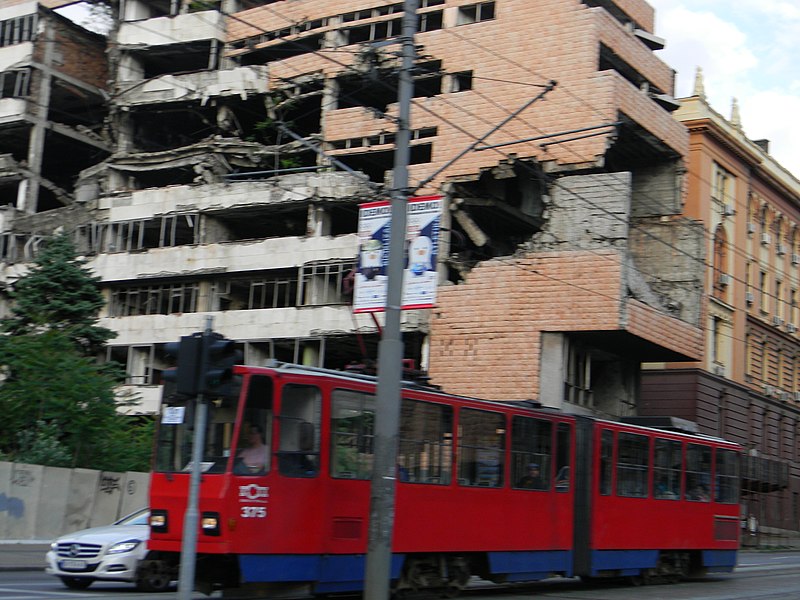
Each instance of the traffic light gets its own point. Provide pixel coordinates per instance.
(189, 356)
(221, 354)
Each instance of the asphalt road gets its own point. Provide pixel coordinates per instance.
(760, 576)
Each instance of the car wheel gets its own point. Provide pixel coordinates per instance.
(77, 583)
(153, 576)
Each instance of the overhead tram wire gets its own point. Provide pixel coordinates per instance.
(434, 114)
(579, 98)
(450, 30)
(472, 135)
(504, 57)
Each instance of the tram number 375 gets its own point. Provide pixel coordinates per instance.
(254, 512)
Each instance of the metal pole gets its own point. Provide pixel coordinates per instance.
(192, 515)
(390, 348)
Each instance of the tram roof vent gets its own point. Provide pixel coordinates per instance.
(662, 422)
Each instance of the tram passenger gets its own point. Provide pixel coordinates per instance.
(699, 493)
(253, 458)
(533, 479)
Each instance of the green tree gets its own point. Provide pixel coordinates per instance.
(58, 403)
(59, 292)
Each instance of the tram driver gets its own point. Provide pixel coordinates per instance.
(253, 457)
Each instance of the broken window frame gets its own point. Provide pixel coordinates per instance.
(430, 21)
(327, 277)
(18, 30)
(277, 292)
(164, 299)
(127, 236)
(17, 247)
(19, 87)
(578, 377)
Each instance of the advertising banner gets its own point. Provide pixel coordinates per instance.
(424, 216)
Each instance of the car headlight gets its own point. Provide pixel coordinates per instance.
(125, 546)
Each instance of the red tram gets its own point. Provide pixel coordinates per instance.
(505, 491)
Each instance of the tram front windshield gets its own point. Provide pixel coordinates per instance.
(176, 431)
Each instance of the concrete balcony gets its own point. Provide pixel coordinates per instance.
(221, 258)
(16, 56)
(166, 31)
(241, 81)
(223, 196)
(12, 110)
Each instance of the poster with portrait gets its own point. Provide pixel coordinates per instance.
(423, 220)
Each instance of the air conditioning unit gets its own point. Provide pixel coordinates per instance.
(791, 327)
(795, 259)
(719, 370)
(781, 249)
(777, 321)
(749, 297)
(728, 210)
(725, 279)
(766, 239)
(796, 396)
(751, 228)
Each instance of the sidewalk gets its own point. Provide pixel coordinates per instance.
(23, 556)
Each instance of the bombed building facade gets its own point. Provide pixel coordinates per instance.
(209, 157)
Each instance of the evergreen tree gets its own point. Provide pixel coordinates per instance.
(59, 292)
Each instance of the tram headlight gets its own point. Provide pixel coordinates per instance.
(158, 521)
(210, 523)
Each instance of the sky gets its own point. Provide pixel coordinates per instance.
(747, 50)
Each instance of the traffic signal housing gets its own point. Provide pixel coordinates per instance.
(188, 353)
(221, 355)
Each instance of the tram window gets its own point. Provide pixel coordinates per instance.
(667, 469)
(698, 473)
(426, 442)
(481, 443)
(531, 444)
(606, 461)
(176, 432)
(727, 480)
(352, 434)
(632, 465)
(254, 449)
(298, 431)
(563, 446)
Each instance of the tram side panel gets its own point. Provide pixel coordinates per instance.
(634, 525)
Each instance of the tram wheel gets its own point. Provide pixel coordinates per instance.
(153, 576)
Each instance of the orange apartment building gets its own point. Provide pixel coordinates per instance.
(747, 385)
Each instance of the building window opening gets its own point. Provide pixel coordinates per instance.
(578, 384)
(475, 13)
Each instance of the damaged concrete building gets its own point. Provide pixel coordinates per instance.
(240, 137)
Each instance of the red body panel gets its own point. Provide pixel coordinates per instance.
(323, 515)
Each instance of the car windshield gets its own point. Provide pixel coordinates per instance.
(140, 517)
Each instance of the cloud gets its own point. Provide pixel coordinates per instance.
(768, 115)
(747, 51)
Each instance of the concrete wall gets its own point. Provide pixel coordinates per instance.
(42, 503)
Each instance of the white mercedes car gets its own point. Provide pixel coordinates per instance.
(110, 553)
